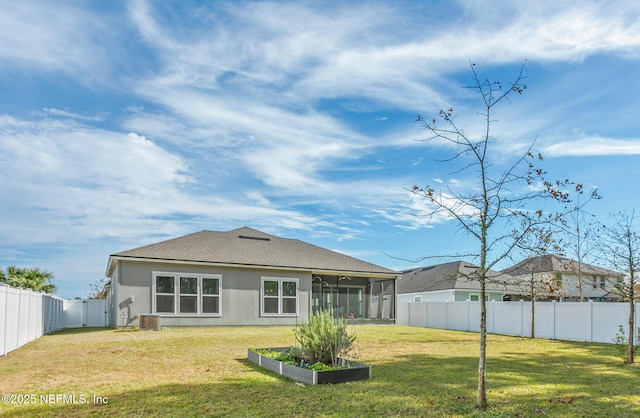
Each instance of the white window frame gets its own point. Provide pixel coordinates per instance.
(280, 296)
(190, 295)
(156, 294)
(203, 295)
(176, 295)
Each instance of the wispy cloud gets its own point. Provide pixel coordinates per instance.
(134, 122)
(63, 38)
(71, 115)
(593, 146)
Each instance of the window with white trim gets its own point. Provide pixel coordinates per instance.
(186, 294)
(279, 296)
(164, 298)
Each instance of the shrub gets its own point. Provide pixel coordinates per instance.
(325, 339)
(621, 341)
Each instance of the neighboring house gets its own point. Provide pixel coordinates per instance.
(598, 284)
(449, 282)
(241, 277)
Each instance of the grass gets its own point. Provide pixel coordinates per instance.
(416, 372)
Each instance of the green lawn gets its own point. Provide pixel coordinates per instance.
(416, 372)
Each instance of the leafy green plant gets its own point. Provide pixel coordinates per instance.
(320, 367)
(621, 342)
(325, 339)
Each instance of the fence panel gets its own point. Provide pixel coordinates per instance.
(573, 321)
(507, 318)
(95, 311)
(73, 313)
(579, 321)
(3, 317)
(545, 326)
(403, 313)
(25, 316)
(85, 313)
(606, 320)
(12, 323)
(418, 314)
(436, 314)
(458, 315)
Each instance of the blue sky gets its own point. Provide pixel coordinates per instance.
(126, 123)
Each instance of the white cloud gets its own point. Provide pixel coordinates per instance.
(593, 146)
(85, 181)
(82, 183)
(71, 115)
(58, 36)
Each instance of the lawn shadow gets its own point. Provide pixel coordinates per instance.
(571, 379)
(410, 385)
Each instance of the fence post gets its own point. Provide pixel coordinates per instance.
(590, 320)
(493, 316)
(521, 318)
(468, 315)
(554, 320)
(426, 313)
(636, 319)
(6, 319)
(446, 315)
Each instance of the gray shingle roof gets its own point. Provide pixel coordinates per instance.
(248, 247)
(454, 275)
(554, 264)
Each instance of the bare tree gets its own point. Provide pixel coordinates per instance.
(499, 201)
(97, 288)
(535, 284)
(579, 229)
(620, 245)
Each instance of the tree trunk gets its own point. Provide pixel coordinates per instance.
(533, 305)
(481, 402)
(632, 300)
(631, 340)
(533, 317)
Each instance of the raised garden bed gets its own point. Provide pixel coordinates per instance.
(354, 371)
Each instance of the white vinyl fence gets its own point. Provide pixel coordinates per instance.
(26, 315)
(578, 321)
(85, 313)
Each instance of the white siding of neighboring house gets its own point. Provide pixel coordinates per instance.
(570, 285)
(570, 289)
(449, 295)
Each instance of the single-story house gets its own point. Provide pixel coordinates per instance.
(598, 284)
(450, 282)
(243, 277)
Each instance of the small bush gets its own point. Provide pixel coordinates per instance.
(621, 342)
(325, 339)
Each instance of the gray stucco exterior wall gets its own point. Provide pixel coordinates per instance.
(240, 302)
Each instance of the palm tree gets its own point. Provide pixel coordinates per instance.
(14, 276)
(34, 278)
